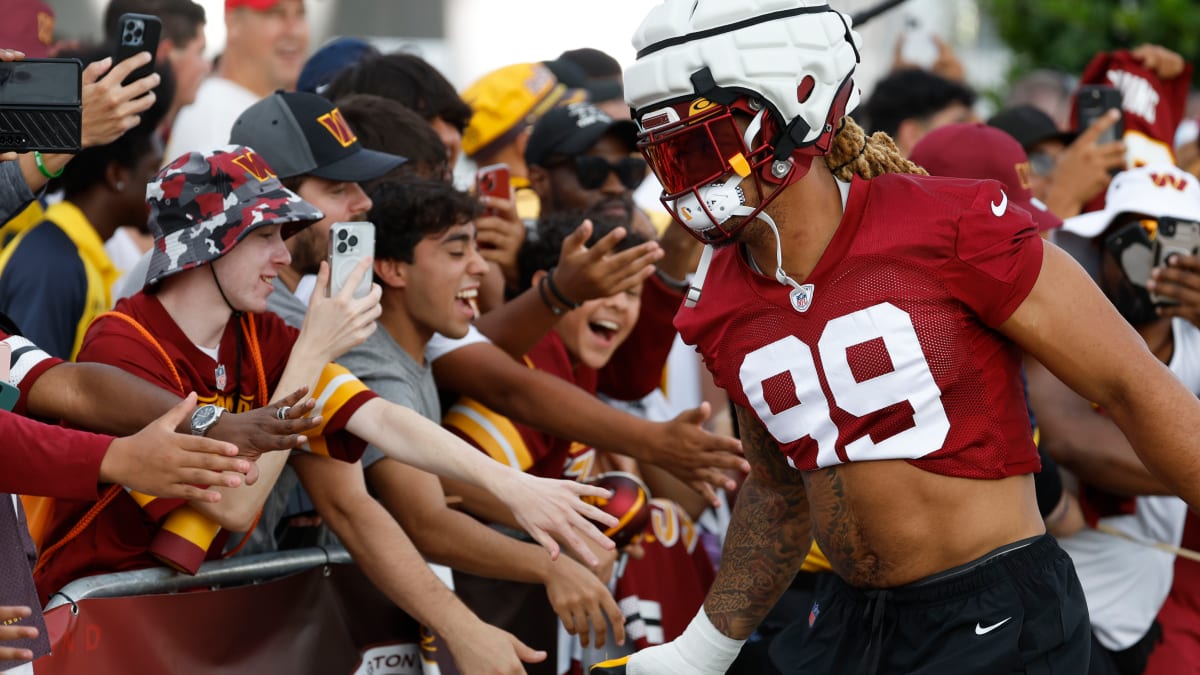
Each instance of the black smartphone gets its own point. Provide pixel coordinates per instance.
(1091, 102)
(137, 33)
(1175, 236)
(41, 105)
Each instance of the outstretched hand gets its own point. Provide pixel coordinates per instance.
(10, 632)
(696, 456)
(585, 273)
(261, 430)
(160, 461)
(488, 650)
(1082, 170)
(547, 508)
(583, 602)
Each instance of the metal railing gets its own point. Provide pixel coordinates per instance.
(239, 571)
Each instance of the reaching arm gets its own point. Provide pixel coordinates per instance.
(1083, 441)
(562, 409)
(444, 535)
(1068, 325)
(386, 555)
(543, 507)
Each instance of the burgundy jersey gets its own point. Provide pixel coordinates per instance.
(894, 355)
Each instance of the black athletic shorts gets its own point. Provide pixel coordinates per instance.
(1018, 609)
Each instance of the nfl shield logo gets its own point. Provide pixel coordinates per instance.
(802, 297)
(221, 376)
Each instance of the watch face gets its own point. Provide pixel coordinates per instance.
(203, 417)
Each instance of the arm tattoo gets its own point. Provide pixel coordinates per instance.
(767, 539)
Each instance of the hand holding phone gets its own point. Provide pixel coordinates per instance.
(1092, 102)
(137, 33)
(349, 243)
(1175, 236)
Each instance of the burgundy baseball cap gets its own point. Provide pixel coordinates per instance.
(976, 150)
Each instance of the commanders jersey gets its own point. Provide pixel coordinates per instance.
(891, 351)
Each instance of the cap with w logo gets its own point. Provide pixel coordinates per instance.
(204, 203)
(303, 134)
(1151, 191)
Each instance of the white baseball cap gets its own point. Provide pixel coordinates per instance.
(1154, 191)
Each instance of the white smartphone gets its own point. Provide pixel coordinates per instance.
(348, 244)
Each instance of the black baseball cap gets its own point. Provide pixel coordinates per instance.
(301, 134)
(1030, 126)
(572, 130)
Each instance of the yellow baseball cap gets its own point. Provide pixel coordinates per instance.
(509, 99)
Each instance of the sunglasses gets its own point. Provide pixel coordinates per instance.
(592, 172)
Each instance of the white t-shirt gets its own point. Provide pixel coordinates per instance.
(206, 124)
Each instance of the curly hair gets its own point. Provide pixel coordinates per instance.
(854, 153)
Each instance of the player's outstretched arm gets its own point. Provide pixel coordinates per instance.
(768, 537)
(544, 508)
(1068, 325)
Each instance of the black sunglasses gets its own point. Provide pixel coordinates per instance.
(592, 171)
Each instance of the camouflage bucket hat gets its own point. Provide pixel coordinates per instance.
(204, 203)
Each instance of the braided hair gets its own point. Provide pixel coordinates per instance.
(855, 153)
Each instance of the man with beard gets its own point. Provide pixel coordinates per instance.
(1128, 585)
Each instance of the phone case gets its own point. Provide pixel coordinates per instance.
(1174, 237)
(137, 33)
(1091, 103)
(348, 244)
(41, 105)
(494, 181)
(1132, 248)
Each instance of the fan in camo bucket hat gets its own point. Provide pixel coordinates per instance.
(204, 203)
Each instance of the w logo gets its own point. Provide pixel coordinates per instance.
(254, 165)
(335, 124)
(1163, 180)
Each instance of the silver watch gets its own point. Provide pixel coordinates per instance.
(204, 417)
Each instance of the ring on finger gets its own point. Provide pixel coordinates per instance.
(282, 412)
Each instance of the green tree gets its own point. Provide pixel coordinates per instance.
(1066, 34)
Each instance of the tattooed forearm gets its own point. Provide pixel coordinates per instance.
(767, 539)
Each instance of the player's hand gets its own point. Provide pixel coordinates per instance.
(260, 430)
(500, 234)
(1082, 171)
(335, 324)
(109, 107)
(586, 273)
(581, 599)
(1163, 62)
(1179, 280)
(160, 461)
(547, 509)
(8, 633)
(695, 456)
(485, 649)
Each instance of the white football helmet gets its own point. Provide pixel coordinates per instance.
(787, 65)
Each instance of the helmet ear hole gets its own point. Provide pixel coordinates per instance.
(805, 89)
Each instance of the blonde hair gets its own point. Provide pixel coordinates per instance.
(856, 154)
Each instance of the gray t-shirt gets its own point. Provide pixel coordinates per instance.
(390, 372)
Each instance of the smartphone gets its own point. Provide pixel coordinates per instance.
(41, 105)
(348, 244)
(1134, 251)
(919, 47)
(137, 33)
(494, 181)
(1175, 236)
(1091, 102)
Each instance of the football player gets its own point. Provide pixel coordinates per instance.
(868, 322)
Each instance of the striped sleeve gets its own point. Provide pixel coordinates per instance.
(339, 394)
(489, 431)
(26, 365)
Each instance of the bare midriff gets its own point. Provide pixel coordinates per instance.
(887, 523)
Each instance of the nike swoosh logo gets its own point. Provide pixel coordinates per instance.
(980, 630)
(999, 209)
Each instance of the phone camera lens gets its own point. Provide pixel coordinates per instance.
(353, 240)
(342, 234)
(342, 248)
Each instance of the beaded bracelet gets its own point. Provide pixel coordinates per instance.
(558, 295)
(41, 165)
(546, 298)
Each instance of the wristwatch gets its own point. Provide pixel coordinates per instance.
(204, 418)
